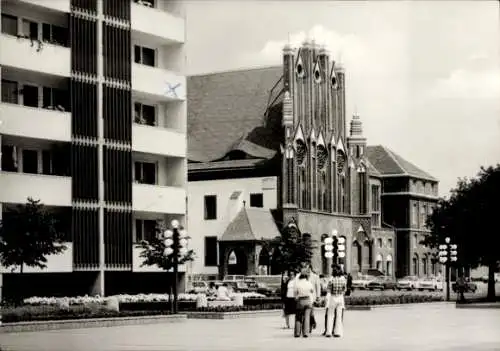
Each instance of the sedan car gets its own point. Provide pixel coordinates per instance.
(361, 282)
(264, 289)
(237, 286)
(198, 287)
(431, 284)
(407, 283)
(382, 283)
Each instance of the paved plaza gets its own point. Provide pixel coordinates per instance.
(426, 327)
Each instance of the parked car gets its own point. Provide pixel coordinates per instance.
(361, 282)
(469, 287)
(252, 285)
(198, 287)
(264, 289)
(430, 283)
(237, 286)
(234, 277)
(382, 283)
(407, 283)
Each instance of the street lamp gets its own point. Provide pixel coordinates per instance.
(176, 241)
(447, 255)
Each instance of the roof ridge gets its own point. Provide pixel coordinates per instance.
(234, 70)
(391, 154)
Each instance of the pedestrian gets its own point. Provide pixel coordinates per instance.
(335, 303)
(315, 281)
(326, 282)
(349, 285)
(303, 292)
(289, 299)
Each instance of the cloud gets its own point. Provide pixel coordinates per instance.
(343, 47)
(468, 84)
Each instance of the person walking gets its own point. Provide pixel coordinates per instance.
(335, 303)
(303, 292)
(289, 299)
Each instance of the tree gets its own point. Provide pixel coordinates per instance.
(27, 235)
(468, 219)
(294, 248)
(153, 251)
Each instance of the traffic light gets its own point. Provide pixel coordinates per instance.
(168, 235)
(341, 247)
(328, 245)
(183, 242)
(453, 252)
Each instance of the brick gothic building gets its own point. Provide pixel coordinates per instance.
(285, 127)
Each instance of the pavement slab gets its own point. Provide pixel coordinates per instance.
(436, 327)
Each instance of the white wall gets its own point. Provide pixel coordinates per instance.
(198, 227)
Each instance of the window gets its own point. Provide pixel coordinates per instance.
(145, 229)
(30, 161)
(54, 34)
(423, 215)
(414, 215)
(30, 95)
(145, 172)
(30, 29)
(9, 24)
(210, 251)
(424, 265)
(210, 207)
(10, 92)
(379, 242)
(389, 243)
(54, 99)
(375, 198)
(415, 241)
(9, 158)
(144, 114)
(46, 162)
(257, 200)
(144, 56)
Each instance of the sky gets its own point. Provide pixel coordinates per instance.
(424, 76)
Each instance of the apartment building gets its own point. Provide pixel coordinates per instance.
(93, 123)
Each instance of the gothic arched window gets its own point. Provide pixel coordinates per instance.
(301, 151)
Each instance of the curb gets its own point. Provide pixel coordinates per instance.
(484, 305)
(413, 304)
(232, 315)
(88, 323)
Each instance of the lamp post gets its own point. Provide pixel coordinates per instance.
(447, 255)
(175, 245)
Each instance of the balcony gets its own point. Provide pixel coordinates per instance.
(50, 190)
(35, 56)
(157, 84)
(137, 262)
(163, 26)
(158, 199)
(62, 263)
(158, 141)
(59, 5)
(35, 123)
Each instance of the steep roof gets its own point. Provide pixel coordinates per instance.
(226, 112)
(387, 162)
(251, 224)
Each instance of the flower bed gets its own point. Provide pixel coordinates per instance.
(124, 298)
(46, 313)
(44, 309)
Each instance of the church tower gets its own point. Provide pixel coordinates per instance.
(315, 168)
(356, 143)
